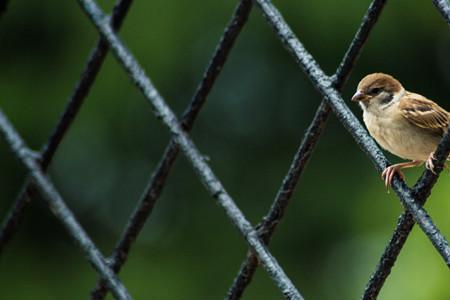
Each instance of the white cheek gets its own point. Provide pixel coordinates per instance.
(362, 105)
(399, 95)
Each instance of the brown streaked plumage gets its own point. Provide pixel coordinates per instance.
(404, 123)
(424, 113)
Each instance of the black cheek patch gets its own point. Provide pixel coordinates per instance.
(387, 98)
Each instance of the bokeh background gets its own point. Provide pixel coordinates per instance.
(341, 216)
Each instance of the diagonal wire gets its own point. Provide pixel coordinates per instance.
(421, 190)
(405, 223)
(60, 209)
(159, 176)
(444, 8)
(206, 175)
(268, 225)
(324, 85)
(269, 222)
(95, 61)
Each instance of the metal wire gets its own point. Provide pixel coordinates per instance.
(270, 221)
(421, 191)
(206, 175)
(444, 8)
(93, 65)
(158, 179)
(329, 87)
(60, 209)
(324, 85)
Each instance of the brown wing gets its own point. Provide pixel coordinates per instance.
(424, 113)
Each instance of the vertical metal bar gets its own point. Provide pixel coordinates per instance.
(15, 215)
(158, 179)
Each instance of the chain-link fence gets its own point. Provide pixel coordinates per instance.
(257, 237)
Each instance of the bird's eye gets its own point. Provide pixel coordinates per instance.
(375, 91)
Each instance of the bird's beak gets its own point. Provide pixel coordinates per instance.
(359, 96)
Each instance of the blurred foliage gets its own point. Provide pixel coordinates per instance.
(341, 216)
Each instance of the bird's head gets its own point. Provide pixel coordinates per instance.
(379, 90)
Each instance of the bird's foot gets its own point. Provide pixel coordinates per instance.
(429, 163)
(388, 174)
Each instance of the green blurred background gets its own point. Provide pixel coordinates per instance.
(341, 216)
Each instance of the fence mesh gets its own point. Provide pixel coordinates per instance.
(257, 237)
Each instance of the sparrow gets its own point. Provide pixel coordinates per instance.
(404, 123)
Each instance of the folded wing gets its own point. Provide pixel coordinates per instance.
(424, 113)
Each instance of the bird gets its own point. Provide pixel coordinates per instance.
(404, 123)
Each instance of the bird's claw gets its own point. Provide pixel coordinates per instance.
(388, 175)
(429, 163)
